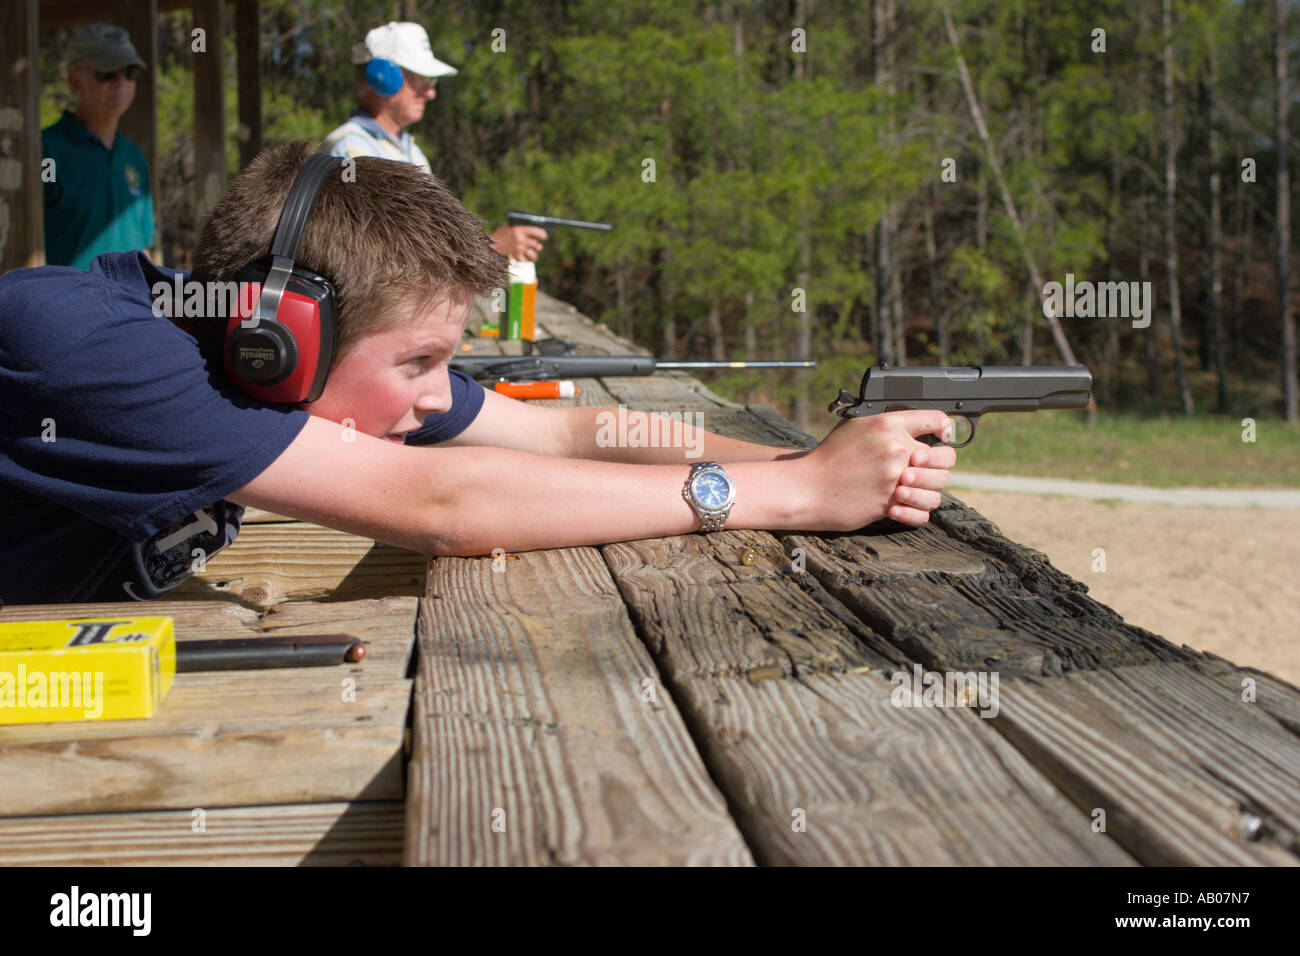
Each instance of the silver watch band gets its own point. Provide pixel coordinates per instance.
(714, 522)
(709, 520)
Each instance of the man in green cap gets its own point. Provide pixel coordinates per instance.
(98, 198)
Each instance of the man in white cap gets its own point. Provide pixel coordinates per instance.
(396, 74)
(99, 198)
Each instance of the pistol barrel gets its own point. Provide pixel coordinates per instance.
(988, 388)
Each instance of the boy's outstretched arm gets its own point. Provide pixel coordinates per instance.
(469, 500)
(602, 434)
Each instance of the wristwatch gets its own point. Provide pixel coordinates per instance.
(711, 492)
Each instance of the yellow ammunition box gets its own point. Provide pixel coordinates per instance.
(102, 668)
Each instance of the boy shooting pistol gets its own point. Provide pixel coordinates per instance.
(133, 438)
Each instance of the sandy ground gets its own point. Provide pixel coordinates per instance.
(1224, 580)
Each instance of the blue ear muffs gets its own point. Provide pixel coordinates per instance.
(384, 77)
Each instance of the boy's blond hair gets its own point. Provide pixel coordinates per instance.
(390, 240)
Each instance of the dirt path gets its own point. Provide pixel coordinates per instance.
(1224, 580)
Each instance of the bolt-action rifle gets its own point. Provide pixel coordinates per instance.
(535, 368)
(557, 362)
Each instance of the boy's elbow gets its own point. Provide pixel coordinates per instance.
(445, 537)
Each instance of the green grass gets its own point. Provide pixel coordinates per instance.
(1161, 452)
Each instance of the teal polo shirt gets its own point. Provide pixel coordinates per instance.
(98, 199)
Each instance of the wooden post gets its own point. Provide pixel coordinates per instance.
(140, 123)
(249, 49)
(209, 109)
(22, 233)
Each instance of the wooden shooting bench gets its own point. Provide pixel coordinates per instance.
(728, 698)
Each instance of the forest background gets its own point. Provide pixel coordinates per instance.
(846, 181)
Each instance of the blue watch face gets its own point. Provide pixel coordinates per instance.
(712, 490)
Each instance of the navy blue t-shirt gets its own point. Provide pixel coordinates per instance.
(118, 442)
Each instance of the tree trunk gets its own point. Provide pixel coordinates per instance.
(803, 344)
(942, 335)
(981, 243)
(717, 341)
(1171, 218)
(620, 299)
(750, 339)
(1216, 244)
(1245, 260)
(977, 114)
(668, 350)
(1289, 391)
(803, 341)
(900, 314)
(1144, 275)
(886, 306)
(1110, 357)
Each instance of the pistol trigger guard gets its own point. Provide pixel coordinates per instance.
(974, 420)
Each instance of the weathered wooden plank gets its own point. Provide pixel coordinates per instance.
(787, 695)
(561, 320)
(258, 516)
(304, 834)
(538, 710)
(782, 432)
(272, 563)
(954, 605)
(386, 625)
(235, 737)
(1186, 774)
(282, 736)
(663, 391)
(1274, 695)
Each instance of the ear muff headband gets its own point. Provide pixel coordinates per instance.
(384, 77)
(280, 349)
(301, 196)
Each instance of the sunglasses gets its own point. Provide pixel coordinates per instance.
(131, 73)
(420, 84)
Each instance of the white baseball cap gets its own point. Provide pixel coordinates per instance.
(405, 44)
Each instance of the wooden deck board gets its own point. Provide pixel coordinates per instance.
(1274, 695)
(270, 563)
(951, 604)
(529, 713)
(386, 625)
(228, 739)
(788, 696)
(1177, 764)
(311, 834)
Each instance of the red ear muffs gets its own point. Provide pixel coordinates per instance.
(285, 358)
(280, 340)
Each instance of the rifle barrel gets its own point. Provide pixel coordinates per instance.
(543, 367)
(761, 363)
